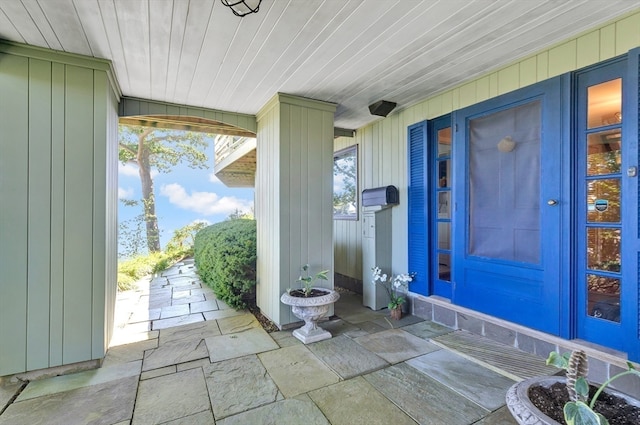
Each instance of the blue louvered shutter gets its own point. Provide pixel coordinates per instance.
(418, 208)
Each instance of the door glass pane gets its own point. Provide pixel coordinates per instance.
(444, 236)
(444, 267)
(441, 212)
(603, 249)
(603, 297)
(604, 104)
(504, 180)
(443, 204)
(444, 142)
(603, 201)
(444, 168)
(603, 152)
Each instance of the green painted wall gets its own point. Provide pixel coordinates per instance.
(293, 205)
(58, 194)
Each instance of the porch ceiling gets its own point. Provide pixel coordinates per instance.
(351, 52)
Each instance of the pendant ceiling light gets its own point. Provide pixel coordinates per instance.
(242, 7)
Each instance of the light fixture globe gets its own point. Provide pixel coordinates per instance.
(242, 7)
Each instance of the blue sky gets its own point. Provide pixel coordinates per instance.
(183, 196)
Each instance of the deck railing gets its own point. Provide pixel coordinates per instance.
(225, 145)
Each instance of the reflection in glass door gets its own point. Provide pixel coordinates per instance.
(441, 207)
(603, 224)
(600, 235)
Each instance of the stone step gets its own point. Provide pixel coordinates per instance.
(501, 358)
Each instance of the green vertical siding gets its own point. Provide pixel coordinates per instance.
(39, 192)
(99, 208)
(293, 197)
(58, 274)
(78, 221)
(14, 183)
(57, 215)
(111, 219)
(588, 49)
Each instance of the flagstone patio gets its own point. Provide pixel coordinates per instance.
(179, 356)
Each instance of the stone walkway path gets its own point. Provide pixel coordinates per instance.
(179, 356)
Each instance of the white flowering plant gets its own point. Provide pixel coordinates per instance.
(394, 285)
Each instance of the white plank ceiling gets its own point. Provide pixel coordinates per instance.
(350, 52)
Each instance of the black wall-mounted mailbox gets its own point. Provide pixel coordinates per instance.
(386, 195)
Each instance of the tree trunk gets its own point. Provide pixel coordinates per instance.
(148, 199)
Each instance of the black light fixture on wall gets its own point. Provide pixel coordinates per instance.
(242, 7)
(382, 108)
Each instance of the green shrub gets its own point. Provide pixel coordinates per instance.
(162, 264)
(131, 270)
(225, 256)
(125, 282)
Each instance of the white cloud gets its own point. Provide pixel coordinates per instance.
(131, 170)
(128, 169)
(205, 203)
(125, 193)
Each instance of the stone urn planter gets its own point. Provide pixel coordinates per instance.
(525, 413)
(310, 309)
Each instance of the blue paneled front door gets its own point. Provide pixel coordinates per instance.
(510, 198)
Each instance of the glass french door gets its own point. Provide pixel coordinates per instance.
(441, 163)
(601, 206)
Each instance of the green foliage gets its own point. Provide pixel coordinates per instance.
(181, 243)
(579, 412)
(163, 263)
(180, 246)
(131, 237)
(241, 214)
(132, 269)
(307, 280)
(162, 149)
(126, 282)
(557, 360)
(225, 256)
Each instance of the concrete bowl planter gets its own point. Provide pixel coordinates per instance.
(311, 309)
(525, 413)
(521, 408)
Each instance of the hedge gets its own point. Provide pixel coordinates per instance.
(225, 256)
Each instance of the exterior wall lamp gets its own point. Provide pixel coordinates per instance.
(382, 108)
(242, 7)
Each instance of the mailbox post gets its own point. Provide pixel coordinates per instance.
(377, 241)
